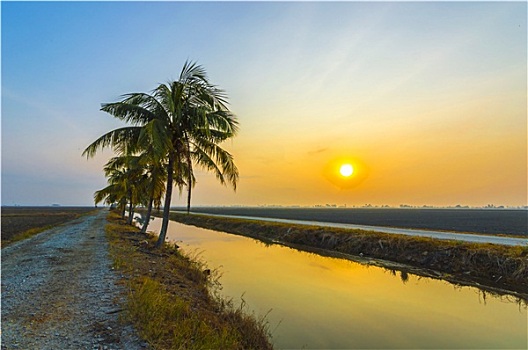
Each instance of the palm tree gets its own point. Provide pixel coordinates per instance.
(124, 177)
(134, 180)
(201, 144)
(153, 183)
(182, 122)
(114, 193)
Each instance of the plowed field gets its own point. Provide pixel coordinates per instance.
(500, 221)
(17, 220)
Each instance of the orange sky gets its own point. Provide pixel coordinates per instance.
(465, 145)
(430, 97)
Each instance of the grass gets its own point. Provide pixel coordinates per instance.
(172, 300)
(495, 266)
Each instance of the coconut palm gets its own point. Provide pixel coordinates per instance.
(201, 144)
(153, 183)
(125, 174)
(114, 193)
(134, 180)
(182, 122)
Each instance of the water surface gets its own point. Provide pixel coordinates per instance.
(323, 302)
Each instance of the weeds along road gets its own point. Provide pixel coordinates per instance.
(59, 291)
(456, 236)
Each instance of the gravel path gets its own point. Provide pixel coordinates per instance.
(59, 291)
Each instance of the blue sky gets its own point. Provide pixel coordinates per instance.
(430, 96)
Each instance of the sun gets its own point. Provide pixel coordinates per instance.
(346, 170)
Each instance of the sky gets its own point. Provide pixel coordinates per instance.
(426, 100)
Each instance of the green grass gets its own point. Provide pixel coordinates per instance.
(170, 299)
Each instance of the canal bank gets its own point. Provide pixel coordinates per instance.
(495, 267)
(314, 301)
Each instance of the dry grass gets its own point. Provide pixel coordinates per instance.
(19, 223)
(488, 264)
(171, 299)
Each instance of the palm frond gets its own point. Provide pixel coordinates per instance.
(122, 140)
(136, 108)
(206, 152)
(110, 194)
(155, 139)
(192, 72)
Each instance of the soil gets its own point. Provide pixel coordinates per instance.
(487, 221)
(16, 220)
(59, 291)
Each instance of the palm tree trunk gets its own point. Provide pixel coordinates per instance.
(189, 184)
(189, 199)
(130, 214)
(130, 208)
(189, 174)
(166, 207)
(147, 218)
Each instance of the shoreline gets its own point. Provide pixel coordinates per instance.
(472, 221)
(469, 237)
(172, 299)
(494, 268)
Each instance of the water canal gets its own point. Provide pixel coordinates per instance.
(320, 302)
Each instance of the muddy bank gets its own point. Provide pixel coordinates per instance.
(495, 267)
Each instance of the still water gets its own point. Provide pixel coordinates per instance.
(319, 302)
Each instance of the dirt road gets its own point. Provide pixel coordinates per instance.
(59, 291)
(455, 236)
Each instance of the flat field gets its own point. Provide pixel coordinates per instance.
(18, 220)
(490, 221)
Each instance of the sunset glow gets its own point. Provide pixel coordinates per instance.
(419, 97)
